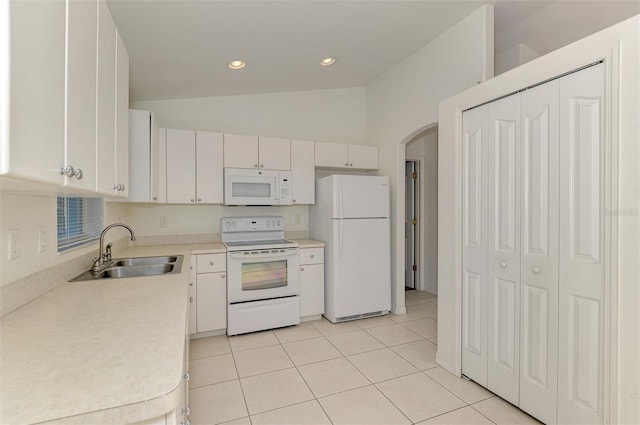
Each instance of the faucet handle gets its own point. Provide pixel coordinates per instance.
(107, 252)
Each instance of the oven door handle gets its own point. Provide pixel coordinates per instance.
(288, 253)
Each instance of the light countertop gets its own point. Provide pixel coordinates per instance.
(108, 351)
(308, 243)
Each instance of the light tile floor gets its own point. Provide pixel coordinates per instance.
(372, 371)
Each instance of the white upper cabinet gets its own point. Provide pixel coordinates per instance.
(122, 118)
(66, 71)
(80, 146)
(268, 153)
(181, 170)
(143, 136)
(106, 132)
(194, 167)
(336, 155)
(302, 172)
(274, 153)
(240, 151)
(364, 157)
(209, 167)
(35, 66)
(159, 166)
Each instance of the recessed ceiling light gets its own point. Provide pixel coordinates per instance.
(328, 61)
(237, 64)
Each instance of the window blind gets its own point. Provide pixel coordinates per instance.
(79, 221)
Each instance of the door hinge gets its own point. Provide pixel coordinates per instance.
(414, 267)
(414, 221)
(414, 175)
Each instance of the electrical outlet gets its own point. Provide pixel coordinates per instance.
(298, 218)
(14, 244)
(42, 239)
(163, 221)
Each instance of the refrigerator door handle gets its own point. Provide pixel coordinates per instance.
(340, 237)
(340, 212)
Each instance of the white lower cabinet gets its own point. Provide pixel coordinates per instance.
(311, 283)
(208, 293)
(533, 234)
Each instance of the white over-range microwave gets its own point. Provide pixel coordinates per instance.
(256, 187)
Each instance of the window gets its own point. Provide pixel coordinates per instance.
(79, 221)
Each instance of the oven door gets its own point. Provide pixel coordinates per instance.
(262, 274)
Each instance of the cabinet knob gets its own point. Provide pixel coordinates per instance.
(193, 200)
(211, 263)
(199, 199)
(346, 164)
(535, 270)
(350, 165)
(313, 256)
(124, 187)
(503, 264)
(155, 198)
(222, 276)
(67, 171)
(255, 165)
(301, 269)
(191, 300)
(293, 200)
(190, 283)
(78, 174)
(187, 376)
(261, 165)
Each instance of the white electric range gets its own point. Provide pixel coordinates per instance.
(263, 284)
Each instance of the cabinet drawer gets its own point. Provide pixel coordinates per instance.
(211, 263)
(311, 256)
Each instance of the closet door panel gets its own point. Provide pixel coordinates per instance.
(504, 248)
(581, 269)
(539, 260)
(475, 245)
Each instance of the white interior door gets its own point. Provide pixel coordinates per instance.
(539, 258)
(580, 366)
(503, 283)
(475, 249)
(361, 266)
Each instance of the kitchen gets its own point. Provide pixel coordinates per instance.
(374, 116)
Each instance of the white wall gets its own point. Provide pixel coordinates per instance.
(325, 115)
(27, 213)
(512, 57)
(404, 101)
(623, 301)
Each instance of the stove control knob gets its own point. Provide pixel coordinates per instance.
(278, 223)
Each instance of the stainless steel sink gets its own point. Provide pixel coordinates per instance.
(143, 261)
(135, 267)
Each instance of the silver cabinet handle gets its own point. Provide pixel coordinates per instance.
(187, 376)
(255, 165)
(350, 165)
(503, 264)
(301, 269)
(199, 199)
(67, 171)
(191, 300)
(155, 198)
(185, 411)
(211, 263)
(346, 164)
(187, 422)
(312, 256)
(124, 187)
(261, 165)
(293, 200)
(193, 200)
(78, 174)
(222, 276)
(190, 283)
(535, 270)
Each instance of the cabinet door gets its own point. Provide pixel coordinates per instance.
(240, 151)
(122, 117)
(365, 157)
(503, 236)
(539, 253)
(303, 184)
(37, 68)
(332, 155)
(80, 143)
(181, 172)
(211, 302)
(139, 139)
(311, 290)
(106, 114)
(159, 167)
(193, 296)
(209, 167)
(474, 244)
(274, 153)
(581, 237)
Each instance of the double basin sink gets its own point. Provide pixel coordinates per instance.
(135, 267)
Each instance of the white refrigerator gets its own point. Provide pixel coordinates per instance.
(351, 216)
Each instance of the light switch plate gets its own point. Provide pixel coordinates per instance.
(42, 239)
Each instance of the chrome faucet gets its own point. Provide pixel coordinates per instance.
(104, 258)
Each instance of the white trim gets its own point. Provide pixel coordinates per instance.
(601, 46)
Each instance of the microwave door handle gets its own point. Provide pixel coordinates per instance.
(265, 255)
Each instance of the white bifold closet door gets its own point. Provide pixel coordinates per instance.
(533, 226)
(539, 257)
